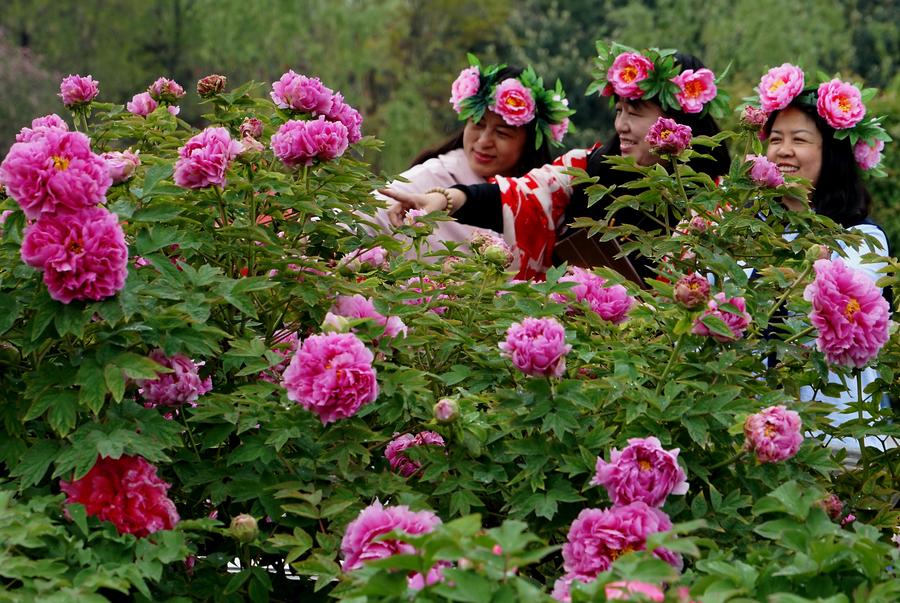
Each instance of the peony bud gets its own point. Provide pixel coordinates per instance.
(818, 252)
(211, 85)
(251, 127)
(446, 410)
(692, 291)
(501, 255)
(335, 324)
(832, 506)
(753, 119)
(244, 528)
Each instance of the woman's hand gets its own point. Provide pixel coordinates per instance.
(430, 202)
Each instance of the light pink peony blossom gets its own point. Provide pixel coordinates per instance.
(164, 90)
(559, 131)
(332, 376)
(55, 170)
(357, 306)
(627, 71)
(644, 471)
(466, 84)
(126, 492)
(82, 253)
(284, 345)
(52, 121)
(347, 115)
(868, 156)
(121, 165)
(696, 89)
(840, 104)
(537, 346)
(737, 323)
(76, 90)
(764, 172)
(753, 119)
(513, 102)
(173, 390)
(692, 291)
(401, 463)
(142, 104)
(773, 434)
(359, 545)
(609, 303)
(779, 86)
(372, 258)
(850, 313)
(251, 127)
(300, 93)
(204, 159)
(668, 137)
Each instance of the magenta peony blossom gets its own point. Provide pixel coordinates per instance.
(55, 170)
(331, 375)
(173, 390)
(666, 136)
(850, 313)
(205, 158)
(127, 492)
(301, 93)
(697, 88)
(357, 306)
(330, 137)
(610, 303)
(466, 84)
(840, 104)
(251, 127)
(164, 90)
(537, 346)
(82, 253)
(52, 121)
(692, 291)
(121, 165)
(76, 90)
(401, 463)
(299, 142)
(142, 104)
(513, 102)
(359, 544)
(643, 471)
(779, 86)
(753, 119)
(559, 131)
(764, 172)
(773, 434)
(736, 320)
(375, 257)
(867, 156)
(347, 115)
(627, 71)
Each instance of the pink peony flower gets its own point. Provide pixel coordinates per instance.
(610, 303)
(513, 102)
(643, 471)
(773, 434)
(357, 306)
(125, 491)
(347, 115)
(466, 84)
(164, 90)
(764, 172)
(121, 165)
(205, 158)
(537, 346)
(76, 90)
(666, 136)
(331, 138)
(692, 290)
(737, 320)
(429, 291)
(840, 104)
(173, 390)
(52, 121)
(251, 127)
(850, 313)
(627, 71)
(697, 88)
(359, 544)
(779, 86)
(299, 142)
(54, 170)
(284, 345)
(753, 119)
(82, 253)
(375, 257)
(867, 156)
(401, 463)
(331, 375)
(300, 93)
(559, 131)
(142, 104)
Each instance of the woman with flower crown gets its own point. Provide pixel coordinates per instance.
(533, 210)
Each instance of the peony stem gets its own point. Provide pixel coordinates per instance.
(859, 410)
(669, 364)
(802, 333)
(729, 460)
(789, 290)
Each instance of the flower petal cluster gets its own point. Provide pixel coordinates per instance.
(142, 104)
(347, 115)
(867, 155)
(779, 86)
(514, 102)
(644, 471)
(692, 291)
(52, 121)
(173, 390)
(125, 491)
(537, 347)
(332, 376)
(374, 257)
(121, 164)
(737, 323)
(627, 71)
(76, 90)
(401, 463)
(773, 434)
(357, 306)
(301, 142)
(359, 544)
(610, 303)
(696, 89)
(764, 172)
(164, 90)
(300, 93)
(849, 312)
(666, 136)
(205, 158)
(559, 131)
(840, 104)
(465, 85)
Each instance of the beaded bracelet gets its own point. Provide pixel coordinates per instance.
(447, 196)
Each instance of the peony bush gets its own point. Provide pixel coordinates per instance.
(220, 383)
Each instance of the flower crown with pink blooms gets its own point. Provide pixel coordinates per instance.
(620, 71)
(840, 104)
(519, 100)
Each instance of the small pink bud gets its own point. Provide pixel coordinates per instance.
(850, 518)
(211, 85)
(244, 529)
(446, 410)
(251, 127)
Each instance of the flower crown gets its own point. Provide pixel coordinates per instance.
(517, 100)
(633, 75)
(840, 104)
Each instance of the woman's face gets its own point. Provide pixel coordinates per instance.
(795, 145)
(492, 146)
(633, 121)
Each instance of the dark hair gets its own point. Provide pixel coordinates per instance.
(840, 193)
(530, 158)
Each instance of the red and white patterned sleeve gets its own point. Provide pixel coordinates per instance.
(534, 207)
